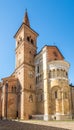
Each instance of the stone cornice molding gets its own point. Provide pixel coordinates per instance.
(59, 64)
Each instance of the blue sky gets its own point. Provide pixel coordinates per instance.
(52, 19)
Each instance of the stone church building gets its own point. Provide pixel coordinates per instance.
(39, 86)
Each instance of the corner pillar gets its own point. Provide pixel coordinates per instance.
(22, 105)
(46, 112)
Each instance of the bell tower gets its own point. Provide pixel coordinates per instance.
(26, 40)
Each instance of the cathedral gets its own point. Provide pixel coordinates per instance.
(39, 86)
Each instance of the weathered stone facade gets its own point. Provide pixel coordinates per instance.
(25, 68)
(72, 100)
(0, 100)
(39, 87)
(52, 85)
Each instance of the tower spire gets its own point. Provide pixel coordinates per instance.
(26, 19)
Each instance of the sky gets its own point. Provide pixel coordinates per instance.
(53, 20)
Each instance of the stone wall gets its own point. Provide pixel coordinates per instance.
(0, 101)
(9, 97)
(72, 99)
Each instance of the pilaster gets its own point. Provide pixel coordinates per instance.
(3, 102)
(46, 116)
(22, 105)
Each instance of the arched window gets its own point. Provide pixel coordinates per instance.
(12, 89)
(18, 42)
(56, 95)
(32, 41)
(37, 69)
(28, 39)
(30, 86)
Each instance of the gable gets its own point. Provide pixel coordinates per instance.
(53, 53)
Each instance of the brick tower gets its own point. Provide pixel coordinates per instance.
(25, 69)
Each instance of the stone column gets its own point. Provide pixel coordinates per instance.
(62, 102)
(57, 110)
(3, 101)
(21, 83)
(57, 106)
(22, 105)
(70, 103)
(46, 114)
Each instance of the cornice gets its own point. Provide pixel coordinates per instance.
(59, 64)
